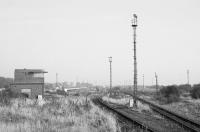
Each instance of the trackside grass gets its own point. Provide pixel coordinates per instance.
(66, 114)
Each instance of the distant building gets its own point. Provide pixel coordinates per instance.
(29, 82)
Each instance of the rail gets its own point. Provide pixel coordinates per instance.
(125, 115)
(183, 121)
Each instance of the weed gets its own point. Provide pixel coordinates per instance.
(71, 114)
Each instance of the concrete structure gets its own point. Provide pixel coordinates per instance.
(29, 82)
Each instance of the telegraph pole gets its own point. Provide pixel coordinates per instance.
(110, 61)
(56, 80)
(143, 81)
(134, 25)
(188, 77)
(156, 76)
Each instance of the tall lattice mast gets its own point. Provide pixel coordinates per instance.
(134, 25)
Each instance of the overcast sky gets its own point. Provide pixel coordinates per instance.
(74, 38)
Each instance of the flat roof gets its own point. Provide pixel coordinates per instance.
(31, 70)
(22, 83)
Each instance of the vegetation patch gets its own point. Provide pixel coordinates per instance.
(168, 94)
(67, 114)
(7, 95)
(189, 109)
(184, 88)
(195, 92)
(10, 117)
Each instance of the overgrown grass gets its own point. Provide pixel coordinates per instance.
(69, 114)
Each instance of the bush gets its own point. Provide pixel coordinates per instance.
(61, 92)
(195, 92)
(169, 94)
(6, 95)
(5, 82)
(184, 88)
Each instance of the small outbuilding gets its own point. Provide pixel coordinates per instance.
(29, 82)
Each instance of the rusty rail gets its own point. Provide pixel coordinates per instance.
(183, 121)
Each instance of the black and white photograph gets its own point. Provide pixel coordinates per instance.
(100, 66)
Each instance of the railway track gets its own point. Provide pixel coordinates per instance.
(126, 114)
(181, 120)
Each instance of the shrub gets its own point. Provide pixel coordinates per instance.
(184, 88)
(169, 94)
(60, 92)
(5, 82)
(6, 95)
(195, 92)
